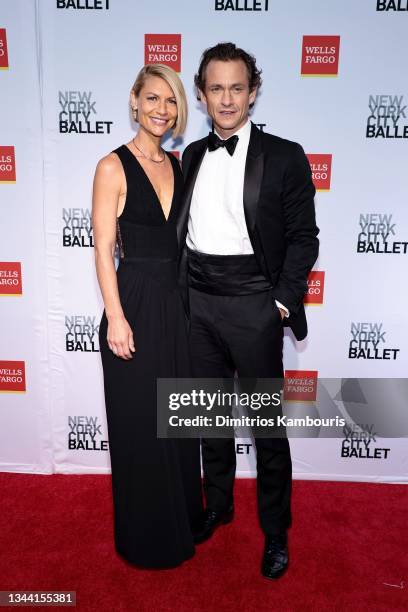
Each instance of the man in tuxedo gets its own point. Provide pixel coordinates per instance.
(249, 240)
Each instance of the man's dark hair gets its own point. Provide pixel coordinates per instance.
(226, 52)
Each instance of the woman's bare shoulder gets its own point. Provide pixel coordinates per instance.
(109, 165)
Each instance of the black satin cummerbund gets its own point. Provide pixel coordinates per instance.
(225, 274)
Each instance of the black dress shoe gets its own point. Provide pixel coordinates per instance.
(211, 520)
(276, 558)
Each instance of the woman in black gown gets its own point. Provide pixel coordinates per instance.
(156, 483)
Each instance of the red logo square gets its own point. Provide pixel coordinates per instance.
(315, 288)
(163, 49)
(321, 164)
(12, 377)
(320, 55)
(3, 50)
(7, 165)
(10, 278)
(300, 386)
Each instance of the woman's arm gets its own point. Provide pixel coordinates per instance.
(107, 188)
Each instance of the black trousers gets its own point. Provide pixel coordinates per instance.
(242, 334)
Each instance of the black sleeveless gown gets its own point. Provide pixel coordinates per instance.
(156, 483)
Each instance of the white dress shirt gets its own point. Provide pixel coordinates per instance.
(217, 223)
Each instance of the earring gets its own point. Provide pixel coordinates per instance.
(134, 113)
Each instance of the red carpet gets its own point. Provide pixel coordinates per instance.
(348, 545)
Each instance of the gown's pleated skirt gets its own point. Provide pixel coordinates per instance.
(155, 482)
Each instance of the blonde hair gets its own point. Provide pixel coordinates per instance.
(173, 80)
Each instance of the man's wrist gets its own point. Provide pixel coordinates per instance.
(283, 310)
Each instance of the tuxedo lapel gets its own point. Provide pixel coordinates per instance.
(253, 178)
(190, 180)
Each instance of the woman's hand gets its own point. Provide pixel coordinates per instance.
(120, 337)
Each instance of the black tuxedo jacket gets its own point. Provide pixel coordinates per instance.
(279, 213)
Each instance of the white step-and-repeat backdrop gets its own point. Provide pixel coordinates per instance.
(335, 80)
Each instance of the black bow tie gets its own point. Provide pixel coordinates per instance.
(214, 143)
